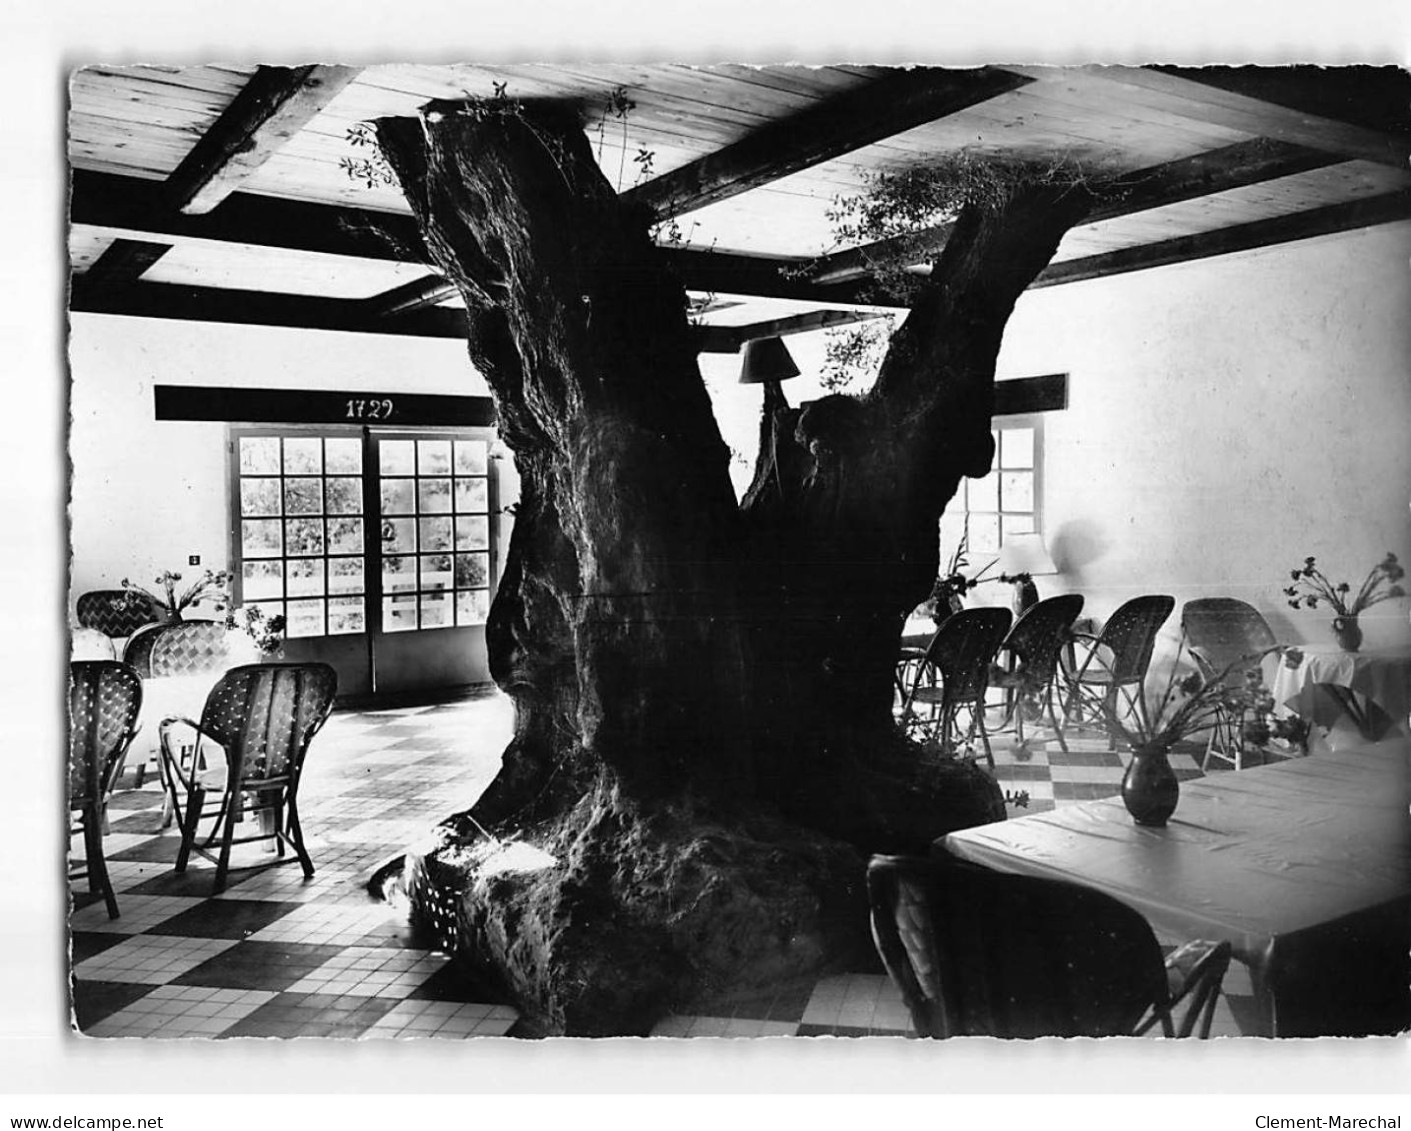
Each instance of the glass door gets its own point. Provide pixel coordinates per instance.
(376, 547)
(435, 560)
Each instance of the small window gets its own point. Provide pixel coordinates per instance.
(1005, 502)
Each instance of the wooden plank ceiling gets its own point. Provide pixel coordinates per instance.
(219, 192)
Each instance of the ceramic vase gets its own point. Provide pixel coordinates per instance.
(1149, 787)
(1348, 633)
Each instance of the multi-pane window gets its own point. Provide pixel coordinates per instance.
(1004, 502)
(301, 531)
(434, 496)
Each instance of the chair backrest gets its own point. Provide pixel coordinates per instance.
(265, 715)
(115, 612)
(980, 953)
(137, 652)
(90, 644)
(962, 651)
(1130, 633)
(1039, 635)
(191, 648)
(1221, 631)
(104, 699)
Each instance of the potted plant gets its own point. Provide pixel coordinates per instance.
(1311, 586)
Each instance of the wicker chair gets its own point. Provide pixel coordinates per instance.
(104, 700)
(1220, 632)
(192, 647)
(1117, 660)
(115, 612)
(1030, 653)
(263, 716)
(955, 674)
(980, 953)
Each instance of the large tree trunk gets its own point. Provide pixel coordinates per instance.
(704, 752)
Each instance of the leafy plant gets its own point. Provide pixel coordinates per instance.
(211, 586)
(1311, 585)
(851, 351)
(266, 631)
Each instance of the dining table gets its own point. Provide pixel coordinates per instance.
(1303, 866)
(1371, 686)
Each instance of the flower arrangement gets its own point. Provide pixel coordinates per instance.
(211, 585)
(1311, 586)
(1258, 725)
(266, 631)
(1187, 704)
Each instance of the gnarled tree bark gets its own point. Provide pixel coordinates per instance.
(704, 752)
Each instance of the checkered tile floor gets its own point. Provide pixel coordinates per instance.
(276, 955)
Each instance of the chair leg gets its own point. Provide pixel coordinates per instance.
(296, 836)
(1058, 724)
(977, 719)
(98, 878)
(195, 802)
(229, 812)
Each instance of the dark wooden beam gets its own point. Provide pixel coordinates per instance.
(801, 324)
(1204, 174)
(107, 200)
(839, 125)
(259, 308)
(419, 294)
(1383, 209)
(273, 106)
(725, 273)
(263, 308)
(123, 261)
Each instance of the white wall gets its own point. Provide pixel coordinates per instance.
(145, 493)
(1229, 417)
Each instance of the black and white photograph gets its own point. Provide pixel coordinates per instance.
(872, 551)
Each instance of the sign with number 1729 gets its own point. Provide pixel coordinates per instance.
(361, 409)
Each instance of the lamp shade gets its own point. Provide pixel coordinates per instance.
(766, 359)
(1025, 553)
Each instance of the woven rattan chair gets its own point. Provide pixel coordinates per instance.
(193, 647)
(1117, 660)
(263, 717)
(1220, 633)
(954, 675)
(115, 612)
(980, 953)
(1029, 660)
(104, 700)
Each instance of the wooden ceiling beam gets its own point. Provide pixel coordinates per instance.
(259, 308)
(1218, 170)
(1383, 209)
(274, 105)
(108, 200)
(123, 261)
(794, 324)
(838, 125)
(264, 308)
(419, 294)
(1207, 104)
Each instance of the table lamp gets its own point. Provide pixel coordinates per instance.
(767, 362)
(1021, 557)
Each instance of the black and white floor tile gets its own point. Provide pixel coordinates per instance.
(276, 955)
